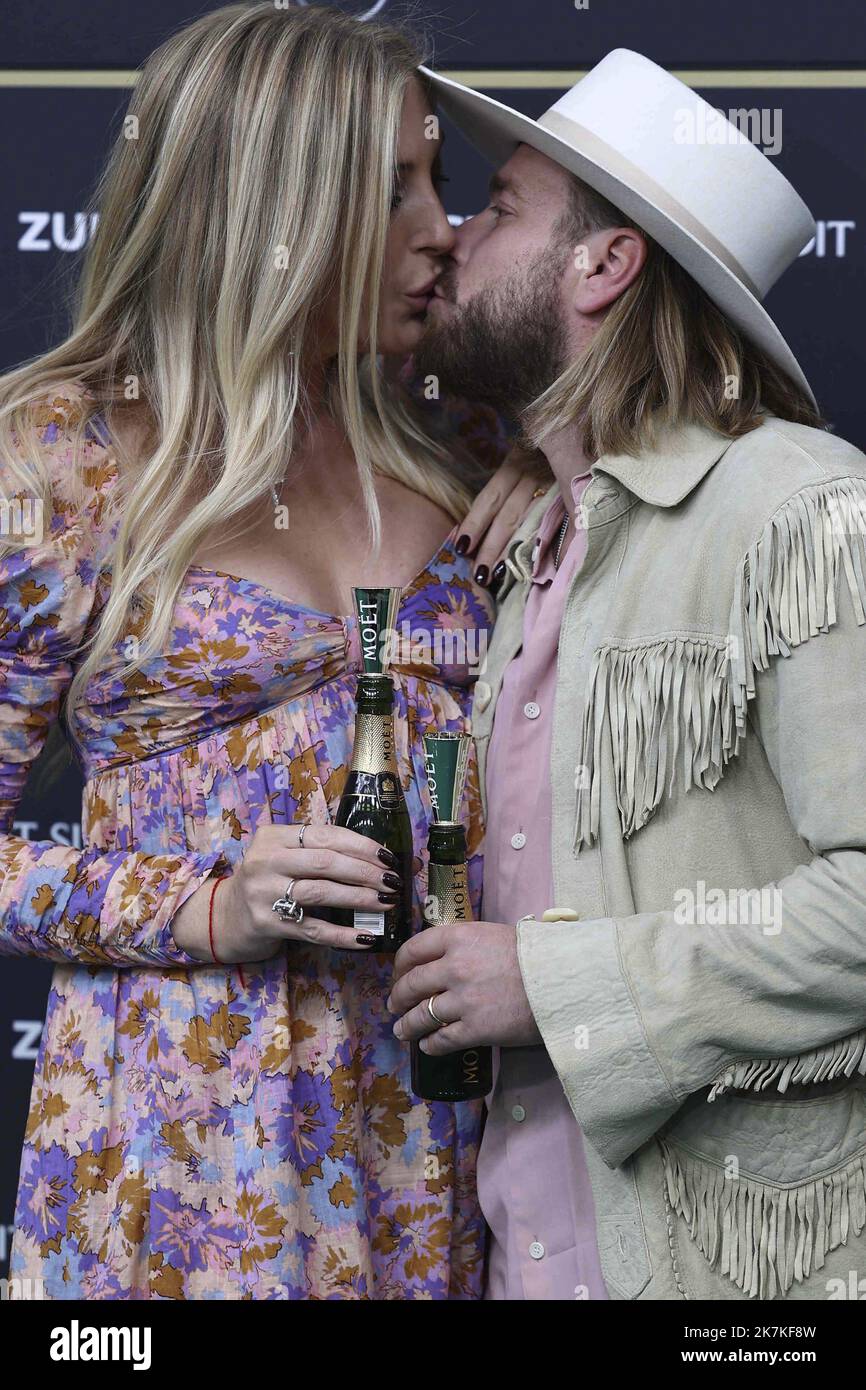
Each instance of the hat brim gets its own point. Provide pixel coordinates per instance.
(496, 130)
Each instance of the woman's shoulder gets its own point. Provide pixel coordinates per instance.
(59, 520)
(53, 549)
(403, 507)
(61, 405)
(75, 454)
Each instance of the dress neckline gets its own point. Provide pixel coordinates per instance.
(284, 600)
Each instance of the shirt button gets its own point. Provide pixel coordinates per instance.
(518, 1112)
(536, 1250)
(518, 840)
(531, 710)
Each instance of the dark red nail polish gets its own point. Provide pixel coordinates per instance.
(366, 940)
(481, 575)
(387, 857)
(390, 898)
(391, 881)
(498, 572)
(462, 545)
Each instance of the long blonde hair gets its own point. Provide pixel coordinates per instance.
(254, 177)
(662, 354)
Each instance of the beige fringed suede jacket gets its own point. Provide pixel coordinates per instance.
(707, 1013)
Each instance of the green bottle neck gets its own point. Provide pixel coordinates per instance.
(446, 842)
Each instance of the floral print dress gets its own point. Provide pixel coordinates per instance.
(195, 1134)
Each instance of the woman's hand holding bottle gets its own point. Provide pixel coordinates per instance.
(335, 867)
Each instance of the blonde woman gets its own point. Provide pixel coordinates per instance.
(220, 1109)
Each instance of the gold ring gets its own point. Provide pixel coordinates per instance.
(432, 1012)
(539, 492)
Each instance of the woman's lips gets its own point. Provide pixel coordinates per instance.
(420, 298)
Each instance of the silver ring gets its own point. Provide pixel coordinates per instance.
(432, 1012)
(289, 910)
(301, 836)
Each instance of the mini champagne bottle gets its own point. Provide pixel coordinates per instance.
(469, 1074)
(372, 802)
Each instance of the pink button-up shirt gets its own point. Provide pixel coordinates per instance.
(533, 1184)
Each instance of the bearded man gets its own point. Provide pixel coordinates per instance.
(672, 964)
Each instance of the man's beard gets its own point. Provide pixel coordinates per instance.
(506, 345)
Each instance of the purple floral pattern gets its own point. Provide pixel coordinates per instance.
(191, 1135)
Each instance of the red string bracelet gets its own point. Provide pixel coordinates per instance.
(217, 961)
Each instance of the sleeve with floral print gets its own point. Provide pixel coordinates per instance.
(93, 907)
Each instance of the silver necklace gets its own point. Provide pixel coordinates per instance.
(562, 530)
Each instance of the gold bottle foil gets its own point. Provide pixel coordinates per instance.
(448, 893)
(374, 744)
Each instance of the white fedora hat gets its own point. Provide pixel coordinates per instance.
(687, 175)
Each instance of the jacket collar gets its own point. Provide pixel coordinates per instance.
(682, 455)
(662, 476)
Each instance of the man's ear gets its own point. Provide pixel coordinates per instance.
(606, 263)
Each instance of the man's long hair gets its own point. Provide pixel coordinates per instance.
(664, 353)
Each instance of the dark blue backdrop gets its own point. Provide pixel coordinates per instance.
(64, 84)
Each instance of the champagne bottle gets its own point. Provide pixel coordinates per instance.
(372, 802)
(468, 1074)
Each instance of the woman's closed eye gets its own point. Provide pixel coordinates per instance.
(437, 178)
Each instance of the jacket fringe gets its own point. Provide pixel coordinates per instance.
(764, 1236)
(786, 586)
(680, 704)
(842, 1058)
(668, 708)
